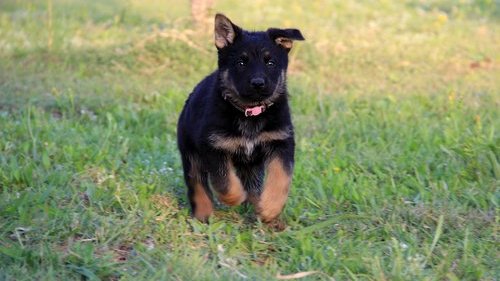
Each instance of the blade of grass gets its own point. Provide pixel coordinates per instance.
(437, 234)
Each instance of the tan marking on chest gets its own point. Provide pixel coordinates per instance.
(234, 144)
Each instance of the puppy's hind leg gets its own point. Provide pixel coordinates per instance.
(199, 194)
(226, 182)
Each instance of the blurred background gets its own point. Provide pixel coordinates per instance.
(353, 47)
(395, 105)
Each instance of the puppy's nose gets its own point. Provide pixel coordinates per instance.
(258, 83)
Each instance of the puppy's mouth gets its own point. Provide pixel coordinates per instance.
(255, 95)
(244, 101)
(251, 97)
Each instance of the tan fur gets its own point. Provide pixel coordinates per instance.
(285, 42)
(275, 192)
(233, 144)
(204, 207)
(224, 32)
(235, 194)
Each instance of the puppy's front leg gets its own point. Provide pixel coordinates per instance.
(225, 181)
(275, 191)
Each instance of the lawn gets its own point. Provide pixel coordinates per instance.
(396, 108)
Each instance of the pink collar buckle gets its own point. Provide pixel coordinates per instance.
(254, 111)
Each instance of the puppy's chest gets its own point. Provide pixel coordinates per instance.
(247, 137)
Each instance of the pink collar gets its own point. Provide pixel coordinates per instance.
(254, 111)
(249, 111)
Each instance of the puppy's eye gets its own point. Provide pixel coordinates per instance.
(270, 63)
(241, 63)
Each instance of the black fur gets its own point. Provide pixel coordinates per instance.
(251, 72)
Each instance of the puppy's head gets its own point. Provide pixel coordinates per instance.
(253, 64)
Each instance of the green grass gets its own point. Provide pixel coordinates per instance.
(396, 108)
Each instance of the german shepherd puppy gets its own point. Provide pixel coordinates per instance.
(235, 134)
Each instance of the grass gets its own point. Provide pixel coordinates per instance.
(395, 105)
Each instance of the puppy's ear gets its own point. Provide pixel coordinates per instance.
(225, 31)
(285, 37)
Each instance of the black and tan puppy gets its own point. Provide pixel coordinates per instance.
(235, 133)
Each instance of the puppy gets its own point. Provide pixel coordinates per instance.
(235, 134)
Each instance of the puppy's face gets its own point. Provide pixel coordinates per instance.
(253, 64)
